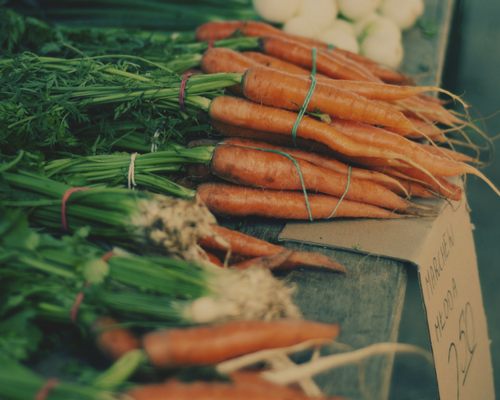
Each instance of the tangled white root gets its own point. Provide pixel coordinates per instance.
(175, 226)
(252, 293)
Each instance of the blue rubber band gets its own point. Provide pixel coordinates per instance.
(307, 99)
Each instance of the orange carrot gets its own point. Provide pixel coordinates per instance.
(425, 129)
(370, 90)
(213, 390)
(225, 29)
(214, 259)
(241, 112)
(306, 144)
(277, 63)
(283, 90)
(446, 189)
(412, 189)
(220, 59)
(272, 261)
(379, 137)
(302, 56)
(113, 342)
(233, 200)
(430, 112)
(208, 345)
(269, 137)
(447, 153)
(385, 74)
(252, 167)
(318, 160)
(245, 246)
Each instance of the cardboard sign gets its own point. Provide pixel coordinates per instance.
(443, 250)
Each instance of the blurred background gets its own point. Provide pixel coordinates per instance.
(473, 62)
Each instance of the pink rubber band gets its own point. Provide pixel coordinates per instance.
(107, 256)
(76, 305)
(46, 388)
(181, 93)
(63, 205)
(211, 44)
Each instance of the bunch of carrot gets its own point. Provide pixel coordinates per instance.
(326, 133)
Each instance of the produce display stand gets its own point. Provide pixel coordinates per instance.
(368, 302)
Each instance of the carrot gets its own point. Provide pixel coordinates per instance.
(113, 342)
(225, 29)
(214, 259)
(318, 160)
(283, 90)
(425, 129)
(412, 189)
(252, 167)
(220, 59)
(445, 189)
(248, 246)
(430, 112)
(277, 63)
(367, 134)
(369, 90)
(301, 55)
(221, 30)
(233, 200)
(452, 191)
(254, 378)
(447, 153)
(257, 389)
(241, 112)
(208, 345)
(270, 137)
(272, 261)
(385, 74)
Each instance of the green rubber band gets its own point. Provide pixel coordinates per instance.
(345, 192)
(307, 99)
(293, 160)
(331, 46)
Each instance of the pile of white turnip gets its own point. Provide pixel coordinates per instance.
(369, 27)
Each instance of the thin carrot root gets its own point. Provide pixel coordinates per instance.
(245, 246)
(208, 345)
(268, 262)
(248, 360)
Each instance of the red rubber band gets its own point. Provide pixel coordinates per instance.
(183, 88)
(46, 388)
(78, 300)
(63, 205)
(211, 43)
(107, 256)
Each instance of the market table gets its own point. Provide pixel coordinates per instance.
(368, 302)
